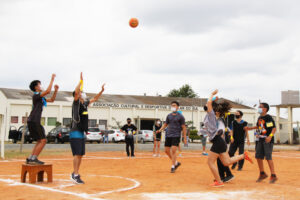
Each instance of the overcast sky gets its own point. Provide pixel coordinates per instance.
(250, 50)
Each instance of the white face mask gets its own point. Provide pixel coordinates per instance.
(83, 95)
(42, 88)
(173, 109)
(158, 122)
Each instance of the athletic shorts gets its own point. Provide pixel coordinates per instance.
(77, 146)
(36, 130)
(172, 141)
(219, 145)
(263, 150)
(158, 137)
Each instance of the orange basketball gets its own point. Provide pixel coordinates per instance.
(133, 22)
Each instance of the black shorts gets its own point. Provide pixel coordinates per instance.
(77, 146)
(263, 150)
(219, 145)
(172, 141)
(36, 130)
(158, 137)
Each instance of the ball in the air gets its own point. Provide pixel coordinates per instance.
(133, 22)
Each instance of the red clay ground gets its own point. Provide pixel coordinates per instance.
(145, 177)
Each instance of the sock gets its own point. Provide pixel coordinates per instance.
(262, 173)
(273, 175)
(173, 166)
(30, 157)
(176, 163)
(33, 157)
(75, 175)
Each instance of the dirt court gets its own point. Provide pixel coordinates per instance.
(111, 175)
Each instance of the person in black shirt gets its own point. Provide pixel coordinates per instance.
(238, 134)
(35, 128)
(156, 138)
(129, 130)
(266, 129)
(79, 125)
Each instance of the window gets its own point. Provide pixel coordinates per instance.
(92, 122)
(43, 121)
(102, 124)
(67, 121)
(14, 119)
(51, 121)
(280, 126)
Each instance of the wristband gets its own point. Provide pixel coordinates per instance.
(214, 98)
(81, 85)
(271, 135)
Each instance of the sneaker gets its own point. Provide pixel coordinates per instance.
(228, 179)
(261, 177)
(248, 158)
(76, 179)
(178, 164)
(132, 156)
(217, 184)
(273, 179)
(205, 154)
(173, 170)
(233, 166)
(240, 169)
(34, 162)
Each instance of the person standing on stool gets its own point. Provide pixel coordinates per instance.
(129, 130)
(80, 120)
(35, 128)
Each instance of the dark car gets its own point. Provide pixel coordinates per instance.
(16, 135)
(59, 135)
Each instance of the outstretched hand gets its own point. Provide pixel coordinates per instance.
(56, 87)
(103, 87)
(81, 76)
(215, 92)
(53, 77)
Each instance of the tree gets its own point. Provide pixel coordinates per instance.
(118, 123)
(185, 91)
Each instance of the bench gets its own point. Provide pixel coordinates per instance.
(36, 173)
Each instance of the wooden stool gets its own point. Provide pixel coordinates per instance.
(36, 173)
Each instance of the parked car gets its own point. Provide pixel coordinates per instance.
(116, 136)
(16, 135)
(94, 135)
(145, 136)
(59, 135)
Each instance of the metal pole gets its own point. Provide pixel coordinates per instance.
(2, 136)
(23, 132)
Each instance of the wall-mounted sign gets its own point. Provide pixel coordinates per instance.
(141, 106)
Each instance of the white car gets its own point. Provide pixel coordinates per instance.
(116, 136)
(145, 136)
(93, 135)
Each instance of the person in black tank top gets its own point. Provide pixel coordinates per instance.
(156, 138)
(79, 125)
(35, 128)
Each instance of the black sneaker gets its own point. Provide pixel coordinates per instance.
(233, 166)
(273, 179)
(228, 179)
(240, 169)
(178, 164)
(34, 162)
(76, 179)
(261, 177)
(27, 160)
(173, 170)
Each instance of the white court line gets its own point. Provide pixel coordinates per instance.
(81, 195)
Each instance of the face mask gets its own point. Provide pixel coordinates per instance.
(83, 95)
(173, 109)
(237, 116)
(158, 122)
(42, 88)
(260, 110)
(128, 122)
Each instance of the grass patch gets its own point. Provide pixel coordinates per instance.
(16, 154)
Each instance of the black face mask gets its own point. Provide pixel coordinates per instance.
(128, 122)
(237, 116)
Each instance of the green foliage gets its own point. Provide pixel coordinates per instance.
(194, 136)
(185, 91)
(57, 124)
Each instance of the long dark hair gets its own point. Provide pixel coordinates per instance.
(222, 107)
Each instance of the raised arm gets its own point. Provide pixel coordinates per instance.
(98, 95)
(210, 100)
(78, 87)
(48, 90)
(52, 99)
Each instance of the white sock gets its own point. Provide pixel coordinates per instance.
(173, 166)
(75, 175)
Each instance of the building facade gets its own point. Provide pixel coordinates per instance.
(109, 112)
